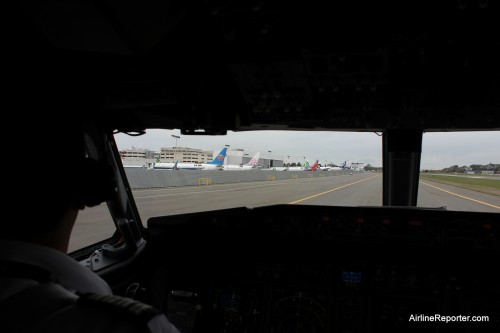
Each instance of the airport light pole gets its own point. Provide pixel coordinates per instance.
(269, 159)
(176, 137)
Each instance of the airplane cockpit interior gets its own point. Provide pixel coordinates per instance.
(297, 256)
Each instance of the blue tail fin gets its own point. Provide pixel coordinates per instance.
(219, 159)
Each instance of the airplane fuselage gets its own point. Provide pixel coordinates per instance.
(187, 166)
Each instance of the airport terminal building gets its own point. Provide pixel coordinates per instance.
(185, 155)
(138, 157)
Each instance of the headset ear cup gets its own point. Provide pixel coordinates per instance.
(99, 182)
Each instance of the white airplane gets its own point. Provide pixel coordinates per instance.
(253, 164)
(342, 167)
(277, 169)
(294, 168)
(215, 164)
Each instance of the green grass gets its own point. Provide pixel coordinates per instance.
(485, 185)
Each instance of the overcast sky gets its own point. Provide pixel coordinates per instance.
(439, 150)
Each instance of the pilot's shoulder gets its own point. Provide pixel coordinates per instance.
(144, 318)
(49, 307)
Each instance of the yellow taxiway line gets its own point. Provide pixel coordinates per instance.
(462, 196)
(329, 191)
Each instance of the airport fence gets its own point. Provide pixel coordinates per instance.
(149, 178)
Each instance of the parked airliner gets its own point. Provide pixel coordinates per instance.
(215, 164)
(342, 167)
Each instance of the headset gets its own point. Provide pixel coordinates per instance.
(98, 182)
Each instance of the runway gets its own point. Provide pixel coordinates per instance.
(364, 189)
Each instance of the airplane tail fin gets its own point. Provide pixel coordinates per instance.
(254, 162)
(314, 166)
(219, 159)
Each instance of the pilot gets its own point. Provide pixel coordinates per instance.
(49, 181)
(42, 289)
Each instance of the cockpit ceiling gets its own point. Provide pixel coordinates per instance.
(229, 65)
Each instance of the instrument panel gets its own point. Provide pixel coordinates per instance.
(327, 269)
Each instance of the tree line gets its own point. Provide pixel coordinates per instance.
(476, 168)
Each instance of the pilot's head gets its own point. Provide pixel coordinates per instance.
(51, 177)
(45, 173)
